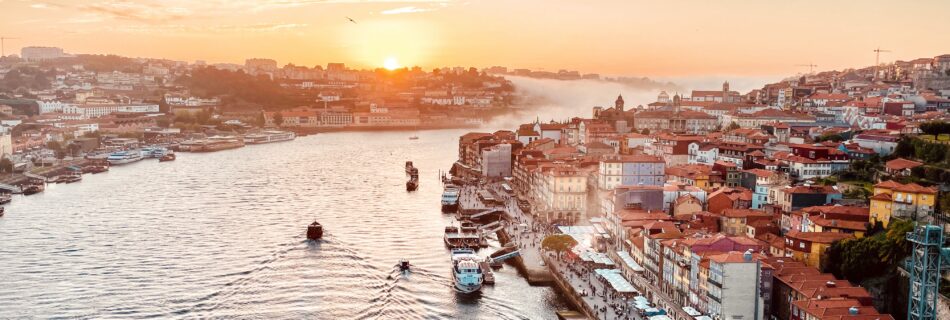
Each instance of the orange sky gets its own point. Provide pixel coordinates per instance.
(617, 37)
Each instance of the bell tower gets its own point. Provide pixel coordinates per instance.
(619, 103)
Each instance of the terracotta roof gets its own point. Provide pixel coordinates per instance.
(744, 213)
(910, 187)
(901, 164)
(818, 237)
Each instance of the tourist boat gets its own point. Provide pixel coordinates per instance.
(124, 157)
(315, 231)
(167, 157)
(33, 189)
(461, 237)
(450, 198)
(212, 144)
(466, 270)
(412, 184)
(269, 136)
(410, 167)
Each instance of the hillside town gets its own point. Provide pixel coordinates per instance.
(49, 97)
(787, 202)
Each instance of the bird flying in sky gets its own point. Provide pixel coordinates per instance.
(351, 19)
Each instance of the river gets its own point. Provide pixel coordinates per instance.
(221, 235)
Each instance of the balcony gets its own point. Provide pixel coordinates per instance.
(714, 298)
(714, 282)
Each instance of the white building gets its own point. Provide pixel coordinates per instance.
(51, 106)
(630, 170)
(703, 153)
(733, 287)
(41, 53)
(88, 111)
(496, 161)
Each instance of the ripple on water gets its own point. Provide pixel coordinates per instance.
(220, 235)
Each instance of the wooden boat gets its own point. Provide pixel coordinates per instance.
(1, 211)
(167, 157)
(33, 189)
(412, 184)
(71, 178)
(315, 231)
(5, 198)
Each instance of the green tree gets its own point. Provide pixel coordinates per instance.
(6, 166)
(558, 243)
(732, 126)
(278, 119)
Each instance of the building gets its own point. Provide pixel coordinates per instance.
(88, 111)
(809, 247)
(734, 286)
(630, 170)
(900, 167)
(41, 53)
(496, 161)
(909, 201)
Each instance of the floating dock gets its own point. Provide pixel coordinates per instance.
(488, 276)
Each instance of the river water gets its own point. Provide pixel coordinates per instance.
(221, 235)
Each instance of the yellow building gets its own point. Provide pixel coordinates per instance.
(809, 247)
(893, 199)
(690, 174)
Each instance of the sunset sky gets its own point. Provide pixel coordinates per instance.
(623, 37)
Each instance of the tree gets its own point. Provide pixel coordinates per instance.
(6, 166)
(732, 126)
(558, 243)
(278, 119)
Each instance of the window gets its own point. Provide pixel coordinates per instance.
(801, 245)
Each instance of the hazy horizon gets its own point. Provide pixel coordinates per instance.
(653, 39)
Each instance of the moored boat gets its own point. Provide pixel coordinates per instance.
(269, 137)
(167, 157)
(467, 272)
(450, 199)
(124, 157)
(5, 198)
(412, 184)
(33, 189)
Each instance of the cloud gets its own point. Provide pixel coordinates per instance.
(405, 10)
(135, 11)
(197, 30)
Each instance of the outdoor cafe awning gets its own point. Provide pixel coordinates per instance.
(691, 312)
(591, 256)
(616, 280)
(628, 260)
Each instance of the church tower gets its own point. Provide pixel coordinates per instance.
(619, 103)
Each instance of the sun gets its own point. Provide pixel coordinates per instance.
(391, 63)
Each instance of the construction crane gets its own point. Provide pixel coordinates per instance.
(811, 66)
(877, 58)
(2, 49)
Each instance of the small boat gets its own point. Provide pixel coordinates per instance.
(466, 270)
(1, 211)
(95, 169)
(412, 184)
(5, 198)
(410, 167)
(404, 265)
(70, 178)
(315, 231)
(33, 189)
(413, 138)
(167, 157)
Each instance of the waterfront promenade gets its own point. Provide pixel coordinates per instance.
(581, 284)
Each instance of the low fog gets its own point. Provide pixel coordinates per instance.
(560, 100)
